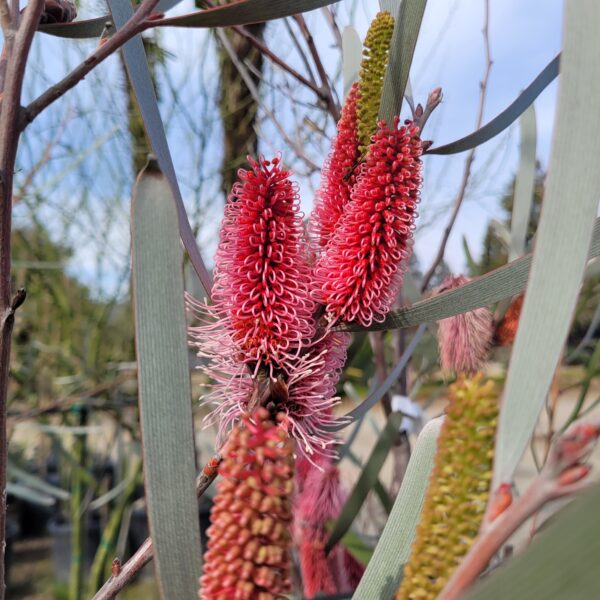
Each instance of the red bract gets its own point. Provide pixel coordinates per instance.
(338, 173)
(261, 289)
(360, 272)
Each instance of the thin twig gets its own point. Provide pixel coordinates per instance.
(136, 24)
(145, 552)
(9, 139)
(332, 106)
(460, 196)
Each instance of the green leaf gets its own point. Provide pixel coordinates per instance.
(507, 117)
(351, 57)
(92, 28)
(563, 238)
(378, 487)
(361, 552)
(24, 492)
(141, 81)
(524, 184)
(402, 48)
(501, 283)
(381, 390)
(383, 575)
(367, 479)
(164, 386)
(36, 483)
(244, 12)
(560, 564)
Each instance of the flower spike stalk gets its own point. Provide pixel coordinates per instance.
(458, 491)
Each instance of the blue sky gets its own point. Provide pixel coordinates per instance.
(524, 36)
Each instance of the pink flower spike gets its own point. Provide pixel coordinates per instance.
(338, 174)
(464, 340)
(360, 272)
(262, 277)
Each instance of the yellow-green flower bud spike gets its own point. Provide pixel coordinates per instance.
(458, 489)
(372, 70)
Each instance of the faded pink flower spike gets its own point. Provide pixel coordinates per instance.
(321, 500)
(338, 174)
(360, 272)
(464, 340)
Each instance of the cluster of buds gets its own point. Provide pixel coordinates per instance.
(458, 490)
(249, 537)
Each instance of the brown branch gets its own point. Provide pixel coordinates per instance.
(332, 106)
(16, 60)
(563, 475)
(136, 24)
(460, 196)
(144, 553)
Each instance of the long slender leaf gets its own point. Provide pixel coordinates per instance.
(164, 387)
(384, 572)
(92, 28)
(378, 487)
(381, 390)
(141, 81)
(561, 565)
(402, 48)
(36, 483)
(351, 57)
(24, 492)
(501, 283)
(367, 479)
(507, 117)
(524, 184)
(563, 238)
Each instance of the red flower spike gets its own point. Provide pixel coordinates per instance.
(338, 174)
(464, 339)
(249, 537)
(506, 330)
(261, 289)
(360, 272)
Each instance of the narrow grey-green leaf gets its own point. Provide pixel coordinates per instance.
(404, 39)
(23, 492)
(501, 283)
(244, 12)
(141, 81)
(351, 57)
(164, 386)
(384, 386)
(37, 483)
(367, 479)
(524, 184)
(384, 573)
(562, 564)
(563, 238)
(507, 117)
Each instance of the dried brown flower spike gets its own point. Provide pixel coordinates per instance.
(249, 538)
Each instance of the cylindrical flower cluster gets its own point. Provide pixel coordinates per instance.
(262, 276)
(360, 272)
(372, 71)
(249, 537)
(338, 175)
(506, 331)
(464, 340)
(458, 489)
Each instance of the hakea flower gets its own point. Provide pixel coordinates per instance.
(262, 278)
(360, 272)
(321, 500)
(464, 340)
(506, 330)
(338, 175)
(457, 495)
(248, 555)
(372, 71)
